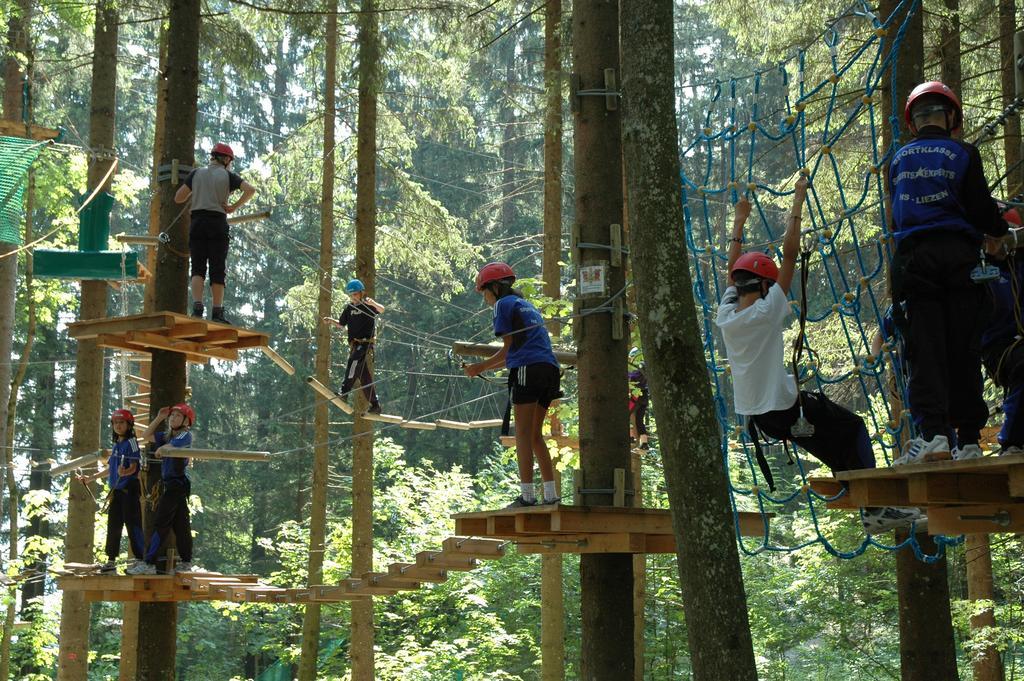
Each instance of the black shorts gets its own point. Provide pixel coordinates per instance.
(535, 383)
(208, 243)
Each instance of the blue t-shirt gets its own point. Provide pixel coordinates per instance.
(531, 343)
(124, 454)
(1002, 327)
(173, 468)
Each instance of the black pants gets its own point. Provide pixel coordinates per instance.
(208, 244)
(358, 368)
(125, 511)
(840, 439)
(172, 516)
(941, 324)
(1004, 363)
(638, 409)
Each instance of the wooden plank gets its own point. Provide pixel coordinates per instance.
(419, 425)
(11, 128)
(1015, 480)
(471, 526)
(153, 340)
(416, 573)
(258, 340)
(986, 464)
(751, 524)
(448, 561)
(532, 523)
(114, 341)
(137, 239)
(331, 396)
(576, 520)
(138, 380)
(454, 425)
(501, 526)
(94, 328)
(468, 349)
(628, 542)
(486, 423)
(278, 360)
(213, 454)
(982, 519)
(478, 548)
(928, 489)
(385, 580)
(188, 330)
(80, 462)
(361, 588)
(879, 492)
(382, 418)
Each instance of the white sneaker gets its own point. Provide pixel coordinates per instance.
(183, 566)
(1011, 450)
(919, 450)
(141, 568)
(967, 452)
(877, 520)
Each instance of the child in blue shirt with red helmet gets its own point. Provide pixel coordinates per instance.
(941, 209)
(172, 508)
(534, 375)
(124, 509)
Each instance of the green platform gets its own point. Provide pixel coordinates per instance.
(103, 265)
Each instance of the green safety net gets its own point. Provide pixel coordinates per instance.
(16, 156)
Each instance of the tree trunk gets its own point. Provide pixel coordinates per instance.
(949, 46)
(978, 554)
(321, 430)
(78, 547)
(1011, 135)
(606, 581)
(366, 270)
(158, 622)
(149, 294)
(717, 626)
(552, 624)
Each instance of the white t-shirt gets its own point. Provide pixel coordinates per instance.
(753, 342)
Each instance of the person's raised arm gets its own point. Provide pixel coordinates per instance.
(147, 435)
(791, 240)
(374, 304)
(736, 241)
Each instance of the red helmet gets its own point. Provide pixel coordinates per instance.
(934, 87)
(493, 271)
(223, 150)
(757, 263)
(122, 414)
(186, 411)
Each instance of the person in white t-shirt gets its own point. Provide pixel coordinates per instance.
(752, 317)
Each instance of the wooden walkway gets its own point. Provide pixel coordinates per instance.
(977, 496)
(200, 340)
(482, 536)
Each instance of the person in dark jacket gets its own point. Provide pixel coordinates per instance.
(941, 210)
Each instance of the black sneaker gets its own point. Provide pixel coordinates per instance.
(645, 445)
(520, 502)
(198, 310)
(552, 502)
(218, 316)
(374, 409)
(108, 568)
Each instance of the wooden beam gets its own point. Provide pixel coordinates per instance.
(115, 341)
(981, 519)
(879, 492)
(331, 396)
(212, 454)
(9, 128)
(415, 573)
(188, 330)
(468, 349)
(419, 425)
(120, 325)
(454, 425)
(1015, 480)
(448, 561)
(486, 423)
(382, 418)
(153, 340)
(250, 217)
(137, 239)
(278, 360)
(929, 489)
(80, 462)
(478, 548)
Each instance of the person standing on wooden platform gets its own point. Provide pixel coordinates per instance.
(123, 509)
(359, 318)
(639, 400)
(208, 239)
(175, 487)
(534, 376)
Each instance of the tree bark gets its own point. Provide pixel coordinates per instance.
(321, 430)
(949, 46)
(717, 626)
(978, 554)
(158, 622)
(1011, 128)
(149, 295)
(366, 271)
(606, 581)
(78, 541)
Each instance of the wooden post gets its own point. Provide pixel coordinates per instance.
(639, 579)
(978, 554)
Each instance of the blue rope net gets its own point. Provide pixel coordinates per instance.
(758, 135)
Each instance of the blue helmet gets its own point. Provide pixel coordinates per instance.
(354, 286)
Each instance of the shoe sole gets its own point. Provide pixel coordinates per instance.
(937, 456)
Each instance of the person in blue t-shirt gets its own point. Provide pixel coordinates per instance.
(534, 375)
(123, 509)
(172, 508)
(1002, 349)
(941, 210)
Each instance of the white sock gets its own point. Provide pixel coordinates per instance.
(528, 492)
(549, 490)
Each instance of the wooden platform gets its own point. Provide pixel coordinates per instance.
(199, 340)
(9, 128)
(585, 529)
(983, 495)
